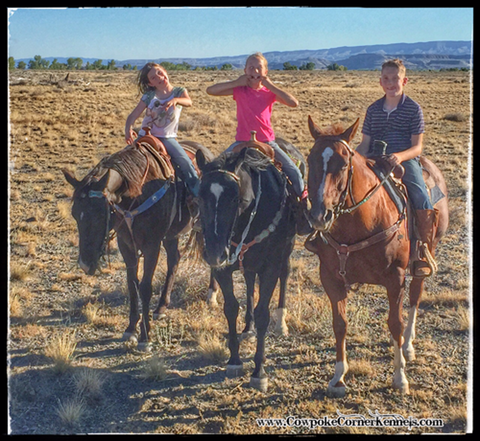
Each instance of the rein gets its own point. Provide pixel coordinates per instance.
(344, 250)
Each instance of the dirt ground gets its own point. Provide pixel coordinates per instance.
(69, 370)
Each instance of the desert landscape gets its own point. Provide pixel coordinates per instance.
(69, 370)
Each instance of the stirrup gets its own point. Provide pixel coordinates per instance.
(428, 261)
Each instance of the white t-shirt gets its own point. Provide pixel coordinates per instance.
(162, 124)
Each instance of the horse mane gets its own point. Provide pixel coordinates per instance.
(251, 160)
(131, 164)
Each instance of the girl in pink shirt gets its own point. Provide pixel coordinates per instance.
(255, 95)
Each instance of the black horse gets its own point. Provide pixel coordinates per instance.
(133, 193)
(248, 223)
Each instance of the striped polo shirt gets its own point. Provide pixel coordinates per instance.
(395, 127)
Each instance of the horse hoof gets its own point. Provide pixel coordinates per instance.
(260, 384)
(129, 336)
(336, 392)
(144, 346)
(247, 336)
(234, 370)
(409, 353)
(401, 384)
(159, 315)
(281, 331)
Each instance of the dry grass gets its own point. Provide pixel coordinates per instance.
(70, 371)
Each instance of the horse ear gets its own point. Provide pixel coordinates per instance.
(240, 159)
(314, 130)
(201, 160)
(349, 134)
(71, 179)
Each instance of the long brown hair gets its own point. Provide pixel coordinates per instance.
(142, 78)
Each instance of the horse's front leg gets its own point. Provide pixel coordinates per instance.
(281, 325)
(173, 257)
(268, 280)
(395, 291)
(213, 290)
(249, 332)
(150, 259)
(230, 308)
(131, 264)
(416, 289)
(337, 293)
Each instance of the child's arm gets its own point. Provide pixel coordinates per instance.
(364, 145)
(414, 151)
(226, 88)
(129, 135)
(183, 100)
(282, 97)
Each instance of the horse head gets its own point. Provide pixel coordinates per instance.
(330, 168)
(91, 209)
(225, 193)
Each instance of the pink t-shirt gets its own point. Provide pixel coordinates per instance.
(254, 111)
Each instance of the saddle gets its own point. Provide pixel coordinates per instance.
(398, 192)
(158, 150)
(266, 149)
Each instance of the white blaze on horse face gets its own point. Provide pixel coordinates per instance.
(216, 190)
(326, 155)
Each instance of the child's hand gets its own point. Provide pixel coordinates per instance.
(130, 136)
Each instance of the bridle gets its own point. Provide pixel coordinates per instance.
(344, 250)
(241, 248)
(340, 208)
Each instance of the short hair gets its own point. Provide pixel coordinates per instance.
(258, 56)
(396, 62)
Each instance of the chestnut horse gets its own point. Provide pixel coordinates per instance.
(362, 237)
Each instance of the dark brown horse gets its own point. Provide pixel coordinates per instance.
(134, 193)
(361, 237)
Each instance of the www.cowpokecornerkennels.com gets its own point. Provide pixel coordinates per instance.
(375, 419)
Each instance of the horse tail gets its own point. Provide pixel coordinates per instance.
(194, 245)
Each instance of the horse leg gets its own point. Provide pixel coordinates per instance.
(337, 295)
(268, 280)
(131, 264)
(416, 289)
(150, 260)
(173, 257)
(213, 289)
(248, 332)
(230, 308)
(281, 312)
(395, 291)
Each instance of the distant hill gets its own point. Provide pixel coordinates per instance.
(424, 55)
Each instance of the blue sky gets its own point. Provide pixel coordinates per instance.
(152, 33)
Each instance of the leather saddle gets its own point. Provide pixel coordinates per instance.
(264, 148)
(158, 150)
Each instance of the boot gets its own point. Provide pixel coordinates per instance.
(303, 225)
(425, 265)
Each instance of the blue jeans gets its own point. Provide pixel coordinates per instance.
(288, 166)
(182, 163)
(417, 190)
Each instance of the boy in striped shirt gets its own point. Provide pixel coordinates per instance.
(398, 120)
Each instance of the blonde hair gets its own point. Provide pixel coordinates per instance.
(259, 56)
(396, 62)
